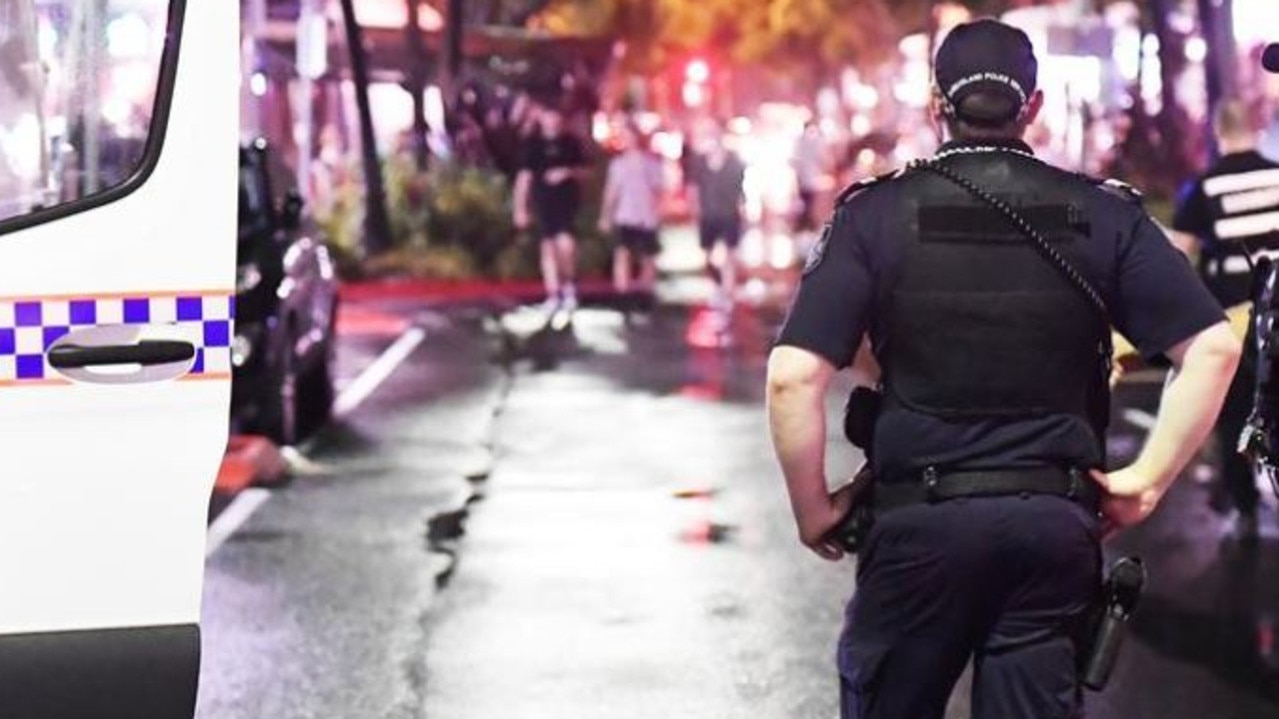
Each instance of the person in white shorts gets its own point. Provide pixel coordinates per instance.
(632, 212)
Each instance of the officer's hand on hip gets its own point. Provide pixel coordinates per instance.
(1129, 497)
(815, 524)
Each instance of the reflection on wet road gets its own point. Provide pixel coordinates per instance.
(537, 521)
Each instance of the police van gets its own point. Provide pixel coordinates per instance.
(118, 137)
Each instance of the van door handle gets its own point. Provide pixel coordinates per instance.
(147, 353)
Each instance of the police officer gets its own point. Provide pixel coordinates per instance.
(987, 453)
(1232, 213)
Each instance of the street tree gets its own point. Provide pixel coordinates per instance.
(783, 35)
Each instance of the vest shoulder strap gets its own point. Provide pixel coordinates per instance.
(861, 186)
(1118, 188)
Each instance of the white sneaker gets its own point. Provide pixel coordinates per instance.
(550, 305)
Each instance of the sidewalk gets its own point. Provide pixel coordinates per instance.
(634, 555)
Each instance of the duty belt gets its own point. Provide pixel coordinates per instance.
(935, 485)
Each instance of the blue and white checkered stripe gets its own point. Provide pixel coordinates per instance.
(29, 327)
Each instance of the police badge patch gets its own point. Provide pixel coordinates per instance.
(818, 253)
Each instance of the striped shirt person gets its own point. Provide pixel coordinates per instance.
(1233, 210)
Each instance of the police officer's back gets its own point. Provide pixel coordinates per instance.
(987, 448)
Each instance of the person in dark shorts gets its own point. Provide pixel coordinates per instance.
(991, 495)
(1232, 214)
(548, 189)
(632, 212)
(716, 199)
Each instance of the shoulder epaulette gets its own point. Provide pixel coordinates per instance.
(1118, 188)
(862, 185)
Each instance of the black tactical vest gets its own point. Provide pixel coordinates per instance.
(980, 325)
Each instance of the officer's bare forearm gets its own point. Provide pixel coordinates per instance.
(797, 383)
(1203, 369)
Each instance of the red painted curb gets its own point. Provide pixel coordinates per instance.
(249, 460)
(450, 292)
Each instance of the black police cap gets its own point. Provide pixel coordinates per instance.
(989, 57)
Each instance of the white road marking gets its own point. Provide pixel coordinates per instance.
(1140, 419)
(250, 500)
(378, 372)
(234, 517)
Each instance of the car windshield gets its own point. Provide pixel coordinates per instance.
(78, 84)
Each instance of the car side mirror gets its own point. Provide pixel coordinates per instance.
(291, 211)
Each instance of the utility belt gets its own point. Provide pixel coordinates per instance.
(933, 485)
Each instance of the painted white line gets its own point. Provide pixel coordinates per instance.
(1139, 419)
(378, 372)
(234, 517)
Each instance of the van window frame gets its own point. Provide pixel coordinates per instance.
(151, 153)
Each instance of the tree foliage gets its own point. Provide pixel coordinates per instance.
(780, 34)
(784, 35)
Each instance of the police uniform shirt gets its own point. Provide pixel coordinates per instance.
(1154, 298)
(1234, 211)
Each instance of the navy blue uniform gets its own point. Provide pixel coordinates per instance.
(999, 579)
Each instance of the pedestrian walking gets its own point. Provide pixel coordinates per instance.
(1231, 213)
(989, 494)
(548, 189)
(809, 163)
(716, 198)
(632, 213)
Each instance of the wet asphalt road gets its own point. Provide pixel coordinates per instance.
(524, 523)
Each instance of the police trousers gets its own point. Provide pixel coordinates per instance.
(1004, 581)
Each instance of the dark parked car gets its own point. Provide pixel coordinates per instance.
(286, 307)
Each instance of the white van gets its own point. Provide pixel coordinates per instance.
(118, 137)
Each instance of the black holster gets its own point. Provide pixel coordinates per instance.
(1109, 622)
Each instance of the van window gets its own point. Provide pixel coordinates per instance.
(79, 81)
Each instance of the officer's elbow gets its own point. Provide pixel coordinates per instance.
(793, 371)
(1224, 346)
(1216, 349)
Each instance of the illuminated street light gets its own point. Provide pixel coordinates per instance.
(698, 71)
(1196, 49)
(694, 94)
(257, 84)
(128, 37)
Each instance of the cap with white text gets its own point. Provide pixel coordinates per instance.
(988, 57)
